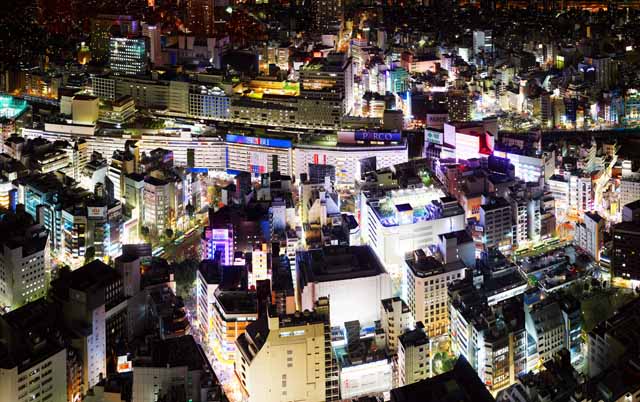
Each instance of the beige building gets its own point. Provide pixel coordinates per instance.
(425, 282)
(288, 358)
(84, 109)
(414, 356)
(396, 318)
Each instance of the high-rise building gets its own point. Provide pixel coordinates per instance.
(157, 205)
(129, 56)
(491, 337)
(327, 15)
(233, 312)
(589, 235)
(33, 355)
(497, 225)
(625, 263)
(483, 43)
(414, 356)
(613, 339)
(200, 17)
(155, 48)
(177, 366)
(458, 105)
(461, 381)
(330, 78)
(285, 358)
(546, 334)
(95, 310)
(396, 319)
(24, 260)
(217, 243)
(347, 274)
(425, 282)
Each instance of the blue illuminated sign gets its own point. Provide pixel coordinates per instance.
(376, 136)
(267, 142)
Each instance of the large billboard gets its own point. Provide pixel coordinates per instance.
(258, 162)
(365, 379)
(266, 142)
(96, 212)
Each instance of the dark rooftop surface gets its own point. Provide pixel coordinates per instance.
(336, 263)
(458, 385)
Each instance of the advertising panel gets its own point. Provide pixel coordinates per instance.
(365, 379)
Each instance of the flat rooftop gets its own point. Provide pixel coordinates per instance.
(429, 265)
(336, 263)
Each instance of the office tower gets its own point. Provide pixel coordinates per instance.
(491, 337)
(606, 70)
(327, 79)
(129, 56)
(546, 334)
(289, 357)
(155, 48)
(95, 310)
(613, 339)
(461, 383)
(631, 212)
(157, 205)
(629, 187)
(327, 16)
(425, 282)
(208, 279)
(396, 319)
(346, 274)
(233, 312)
(483, 43)
(200, 17)
(414, 356)
(458, 105)
(589, 235)
(496, 221)
(625, 263)
(175, 368)
(33, 355)
(24, 260)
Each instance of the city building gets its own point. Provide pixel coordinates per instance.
(546, 336)
(176, 368)
(327, 15)
(461, 383)
(292, 353)
(233, 311)
(425, 282)
(344, 274)
(24, 260)
(95, 311)
(625, 248)
(497, 225)
(129, 56)
(589, 235)
(613, 339)
(414, 356)
(330, 77)
(396, 319)
(491, 337)
(397, 222)
(33, 354)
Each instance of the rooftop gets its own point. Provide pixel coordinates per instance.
(458, 385)
(336, 263)
(424, 266)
